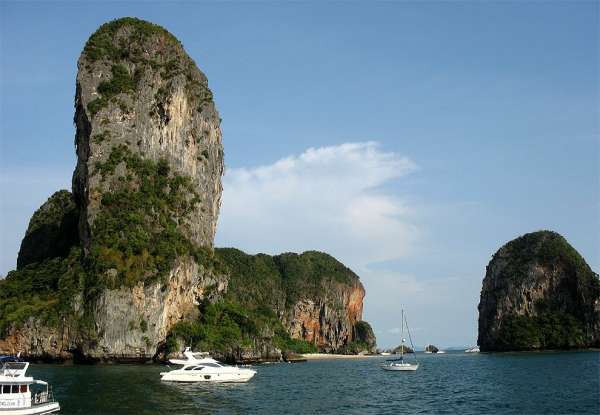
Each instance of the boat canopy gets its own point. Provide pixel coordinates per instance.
(7, 358)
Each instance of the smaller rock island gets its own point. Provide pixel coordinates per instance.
(538, 294)
(430, 348)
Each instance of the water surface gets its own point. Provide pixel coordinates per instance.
(453, 383)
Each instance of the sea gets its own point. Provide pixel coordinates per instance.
(452, 383)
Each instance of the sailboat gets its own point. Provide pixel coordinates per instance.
(401, 364)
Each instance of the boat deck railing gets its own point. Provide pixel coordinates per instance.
(42, 398)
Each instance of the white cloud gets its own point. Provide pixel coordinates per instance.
(341, 200)
(327, 198)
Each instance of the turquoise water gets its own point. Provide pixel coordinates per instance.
(454, 383)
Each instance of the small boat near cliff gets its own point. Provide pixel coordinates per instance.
(400, 364)
(21, 394)
(200, 367)
(474, 349)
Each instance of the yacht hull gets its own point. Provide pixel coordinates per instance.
(405, 367)
(42, 409)
(237, 377)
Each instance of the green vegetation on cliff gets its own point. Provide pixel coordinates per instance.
(545, 248)
(49, 272)
(130, 46)
(52, 230)
(281, 279)
(226, 326)
(44, 290)
(549, 330)
(102, 44)
(137, 233)
(121, 82)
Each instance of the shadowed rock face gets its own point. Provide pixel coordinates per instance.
(539, 293)
(52, 230)
(363, 332)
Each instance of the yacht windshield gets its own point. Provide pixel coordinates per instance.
(211, 365)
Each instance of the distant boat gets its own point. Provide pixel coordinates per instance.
(474, 349)
(400, 364)
(385, 353)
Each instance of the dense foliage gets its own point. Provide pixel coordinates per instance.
(545, 331)
(363, 332)
(226, 326)
(138, 231)
(102, 45)
(545, 248)
(52, 230)
(265, 279)
(43, 289)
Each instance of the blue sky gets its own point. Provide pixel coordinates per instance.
(439, 131)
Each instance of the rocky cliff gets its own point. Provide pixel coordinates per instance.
(124, 267)
(539, 293)
(317, 298)
(284, 303)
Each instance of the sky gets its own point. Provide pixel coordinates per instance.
(410, 140)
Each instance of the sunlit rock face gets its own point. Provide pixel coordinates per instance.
(138, 89)
(539, 293)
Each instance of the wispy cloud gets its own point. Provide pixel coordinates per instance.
(327, 198)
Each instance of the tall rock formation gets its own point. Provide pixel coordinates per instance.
(139, 94)
(147, 186)
(539, 293)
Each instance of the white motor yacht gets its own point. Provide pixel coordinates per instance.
(21, 394)
(474, 349)
(200, 367)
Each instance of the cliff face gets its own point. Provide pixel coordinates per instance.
(285, 303)
(539, 293)
(317, 298)
(121, 324)
(139, 93)
(328, 321)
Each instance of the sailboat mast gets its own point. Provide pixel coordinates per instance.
(402, 337)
